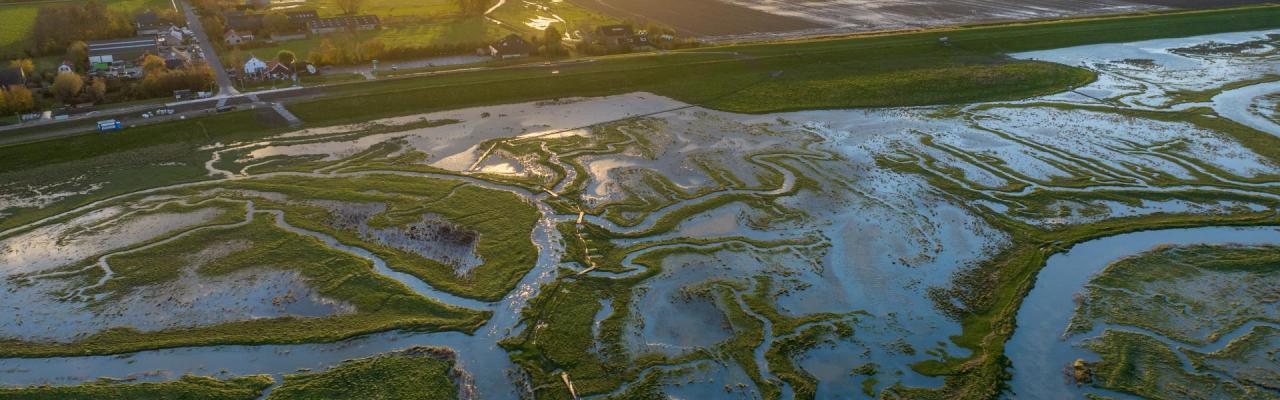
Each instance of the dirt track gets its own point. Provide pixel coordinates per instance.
(719, 18)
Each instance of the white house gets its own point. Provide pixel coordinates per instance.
(65, 67)
(254, 66)
(234, 38)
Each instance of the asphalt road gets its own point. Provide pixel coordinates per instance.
(79, 123)
(225, 87)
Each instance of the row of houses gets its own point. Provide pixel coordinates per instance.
(110, 57)
(257, 69)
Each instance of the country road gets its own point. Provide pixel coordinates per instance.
(277, 99)
(225, 87)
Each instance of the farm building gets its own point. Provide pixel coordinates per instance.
(148, 23)
(621, 35)
(240, 21)
(300, 19)
(512, 46)
(353, 22)
(105, 52)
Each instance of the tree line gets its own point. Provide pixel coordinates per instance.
(57, 26)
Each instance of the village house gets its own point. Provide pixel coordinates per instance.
(231, 37)
(254, 67)
(148, 23)
(277, 70)
(322, 26)
(175, 58)
(105, 54)
(512, 46)
(171, 36)
(66, 66)
(12, 76)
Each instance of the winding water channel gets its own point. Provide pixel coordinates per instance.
(1240, 105)
(1039, 351)
(478, 354)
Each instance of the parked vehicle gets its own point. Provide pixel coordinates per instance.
(109, 125)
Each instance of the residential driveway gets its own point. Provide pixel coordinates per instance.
(225, 87)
